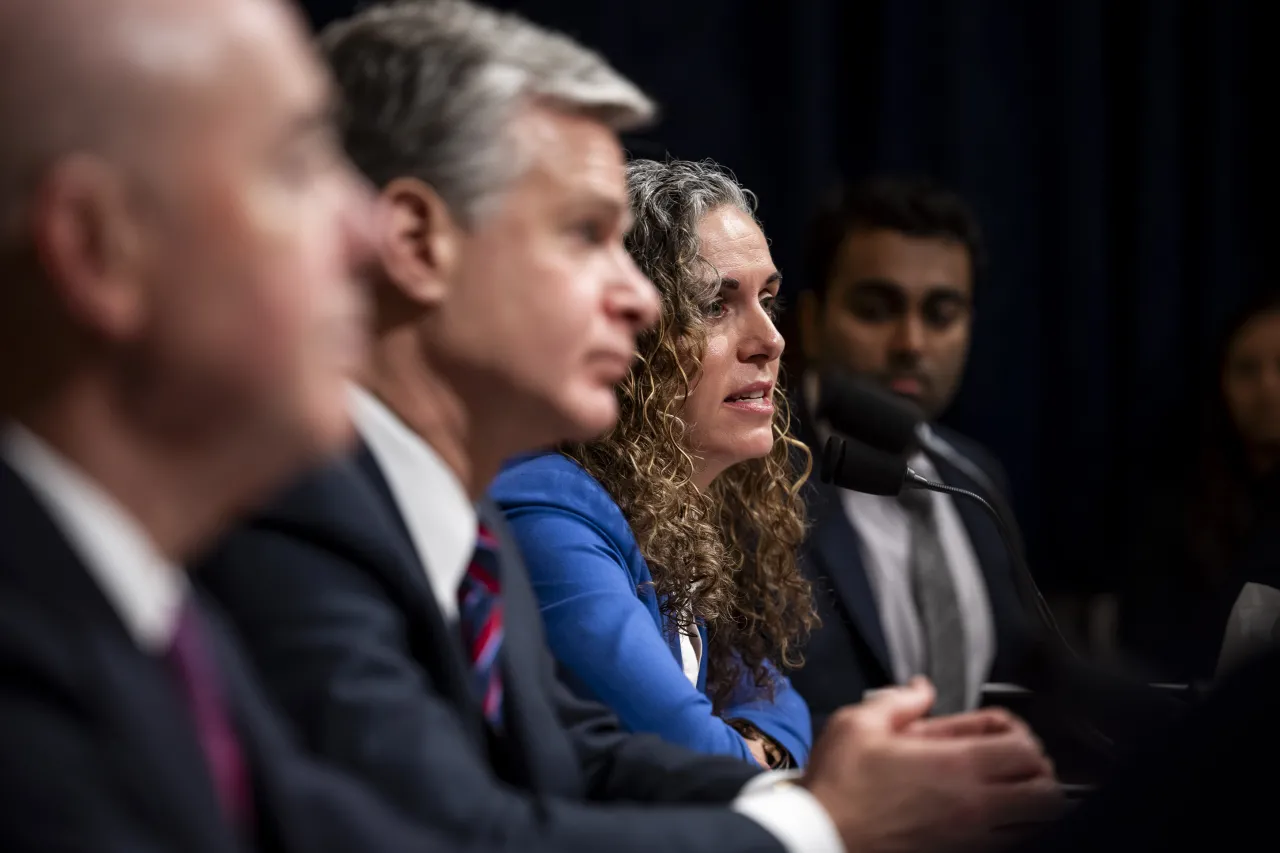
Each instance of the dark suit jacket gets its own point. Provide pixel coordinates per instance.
(848, 654)
(97, 749)
(337, 611)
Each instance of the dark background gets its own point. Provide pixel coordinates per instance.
(1112, 148)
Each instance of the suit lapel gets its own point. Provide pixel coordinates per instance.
(451, 668)
(835, 547)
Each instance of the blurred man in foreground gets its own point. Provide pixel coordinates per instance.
(384, 606)
(179, 242)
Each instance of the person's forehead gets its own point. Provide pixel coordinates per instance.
(271, 56)
(1261, 331)
(730, 239)
(250, 66)
(571, 154)
(910, 262)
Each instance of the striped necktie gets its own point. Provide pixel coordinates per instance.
(480, 618)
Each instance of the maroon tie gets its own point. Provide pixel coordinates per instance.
(189, 656)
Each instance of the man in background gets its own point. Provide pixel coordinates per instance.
(920, 584)
(380, 598)
(180, 238)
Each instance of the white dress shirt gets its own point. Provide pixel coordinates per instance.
(442, 523)
(883, 528)
(441, 519)
(691, 653)
(146, 590)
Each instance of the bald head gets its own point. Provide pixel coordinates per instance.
(109, 77)
(175, 214)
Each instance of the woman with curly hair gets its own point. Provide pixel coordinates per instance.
(664, 554)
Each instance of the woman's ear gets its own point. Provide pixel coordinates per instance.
(421, 249)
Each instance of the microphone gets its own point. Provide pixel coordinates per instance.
(858, 408)
(858, 467)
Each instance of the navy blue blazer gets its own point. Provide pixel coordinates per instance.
(848, 655)
(98, 752)
(338, 614)
(604, 622)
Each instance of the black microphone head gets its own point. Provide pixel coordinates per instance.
(852, 465)
(863, 410)
(832, 459)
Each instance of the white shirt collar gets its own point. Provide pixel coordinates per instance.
(435, 506)
(146, 590)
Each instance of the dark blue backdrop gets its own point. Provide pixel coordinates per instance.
(1111, 149)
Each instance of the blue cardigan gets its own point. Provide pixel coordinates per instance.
(604, 624)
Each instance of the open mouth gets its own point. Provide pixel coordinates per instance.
(755, 399)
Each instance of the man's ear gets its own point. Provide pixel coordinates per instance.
(87, 240)
(422, 245)
(811, 326)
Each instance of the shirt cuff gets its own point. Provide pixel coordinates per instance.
(789, 813)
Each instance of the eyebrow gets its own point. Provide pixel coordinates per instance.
(608, 205)
(323, 117)
(734, 284)
(931, 290)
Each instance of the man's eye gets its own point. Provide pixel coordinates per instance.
(591, 232)
(941, 313)
(874, 309)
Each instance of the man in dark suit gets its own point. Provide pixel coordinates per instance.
(904, 587)
(381, 602)
(178, 244)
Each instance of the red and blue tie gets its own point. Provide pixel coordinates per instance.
(480, 618)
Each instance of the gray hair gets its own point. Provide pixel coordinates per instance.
(430, 87)
(669, 200)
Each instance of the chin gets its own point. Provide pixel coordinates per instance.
(327, 430)
(755, 446)
(590, 416)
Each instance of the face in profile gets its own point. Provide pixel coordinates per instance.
(729, 411)
(260, 229)
(1251, 381)
(897, 310)
(545, 303)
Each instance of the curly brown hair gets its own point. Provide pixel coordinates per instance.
(727, 555)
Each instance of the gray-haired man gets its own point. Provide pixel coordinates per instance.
(405, 646)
